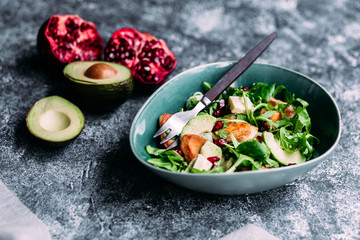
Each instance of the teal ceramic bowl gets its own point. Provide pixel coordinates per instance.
(172, 95)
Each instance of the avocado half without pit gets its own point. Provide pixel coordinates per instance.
(100, 83)
(55, 119)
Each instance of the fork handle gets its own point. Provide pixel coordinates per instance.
(237, 69)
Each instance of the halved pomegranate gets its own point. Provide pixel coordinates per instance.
(149, 59)
(67, 38)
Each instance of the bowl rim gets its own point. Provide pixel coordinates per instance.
(315, 161)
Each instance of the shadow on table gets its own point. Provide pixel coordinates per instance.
(122, 179)
(25, 140)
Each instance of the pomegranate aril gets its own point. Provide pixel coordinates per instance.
(221, 104)
(264, 127)
(84, 26)
(217, 113)
(260, 138)
(77, 57)
(167, 63)
(220, 142)
(213, 159)
(178, 150)
(218, 125)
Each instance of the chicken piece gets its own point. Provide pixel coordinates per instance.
(241, 131)
(277, 116)
(289, 111)
(162, 120)
(190, 145)
(273, 101)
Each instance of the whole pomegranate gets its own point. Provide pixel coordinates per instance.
(149, 59)
(67, 38)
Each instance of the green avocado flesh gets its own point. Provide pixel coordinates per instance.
(55, 119)
(279, 154)
(112, 90)
(209, 149)
(199, 125)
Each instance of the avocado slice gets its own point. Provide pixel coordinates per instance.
(279, 154)
(100, 82)
(209, 149)
(55, 119)
(199, 125)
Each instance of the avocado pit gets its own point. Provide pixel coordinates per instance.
(100, 71)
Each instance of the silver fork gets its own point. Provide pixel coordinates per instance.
(177, 121)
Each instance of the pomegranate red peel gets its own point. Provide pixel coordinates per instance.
(149, 59)
(67, 38)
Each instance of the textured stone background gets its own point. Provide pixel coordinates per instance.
(94, 188)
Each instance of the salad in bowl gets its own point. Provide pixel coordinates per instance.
(256, 127)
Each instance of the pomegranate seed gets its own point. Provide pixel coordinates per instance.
(218, 125)
(213, 159)
(217, 113)
(260, 138)
(84, 26)
(156, 59)
(178, 150)
(77, 57)
(245, 88)
(264, 127)
(221, 104)
(220, 142)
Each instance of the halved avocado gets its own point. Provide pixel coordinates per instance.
(99, 82)
(55, 119)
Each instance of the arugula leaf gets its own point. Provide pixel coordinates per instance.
(191, 103)
(207, 86)
(302, 120)
(222, 133)
(216, 169)
(245, 161)
(234, 140)
(271, 163)
(285, 94)
(289, 141)
(267, 114)
(304, 103)
(282, 123)
(261, 91)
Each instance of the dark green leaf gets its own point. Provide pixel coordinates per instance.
(254, 149)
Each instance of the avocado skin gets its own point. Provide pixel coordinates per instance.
(101, 94)
(99, 97)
